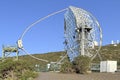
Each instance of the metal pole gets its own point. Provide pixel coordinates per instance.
(82, 40)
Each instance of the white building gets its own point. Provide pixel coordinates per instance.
(108, 66)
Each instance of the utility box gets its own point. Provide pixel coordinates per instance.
(108, 66)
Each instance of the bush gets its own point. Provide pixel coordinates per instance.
(28, 75)
(81, 64)
(15, 70)
(66, 66)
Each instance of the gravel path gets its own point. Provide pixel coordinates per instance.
(92, 76)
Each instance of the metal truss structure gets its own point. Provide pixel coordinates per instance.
(8, 50)
(82, 32)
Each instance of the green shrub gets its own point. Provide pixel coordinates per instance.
(66, 66)
(28, 75)
(81, 64)
(15, 70)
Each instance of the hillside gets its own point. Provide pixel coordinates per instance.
(51, 57)
(108, 52)
(111, 52)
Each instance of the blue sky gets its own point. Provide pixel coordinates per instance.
(48, 35)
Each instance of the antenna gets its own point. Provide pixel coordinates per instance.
(112, 42)
(118, 42)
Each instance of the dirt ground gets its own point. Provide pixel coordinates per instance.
(91, 76)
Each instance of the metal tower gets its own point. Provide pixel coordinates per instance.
(8, 50)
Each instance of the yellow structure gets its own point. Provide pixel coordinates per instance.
(7, 50)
